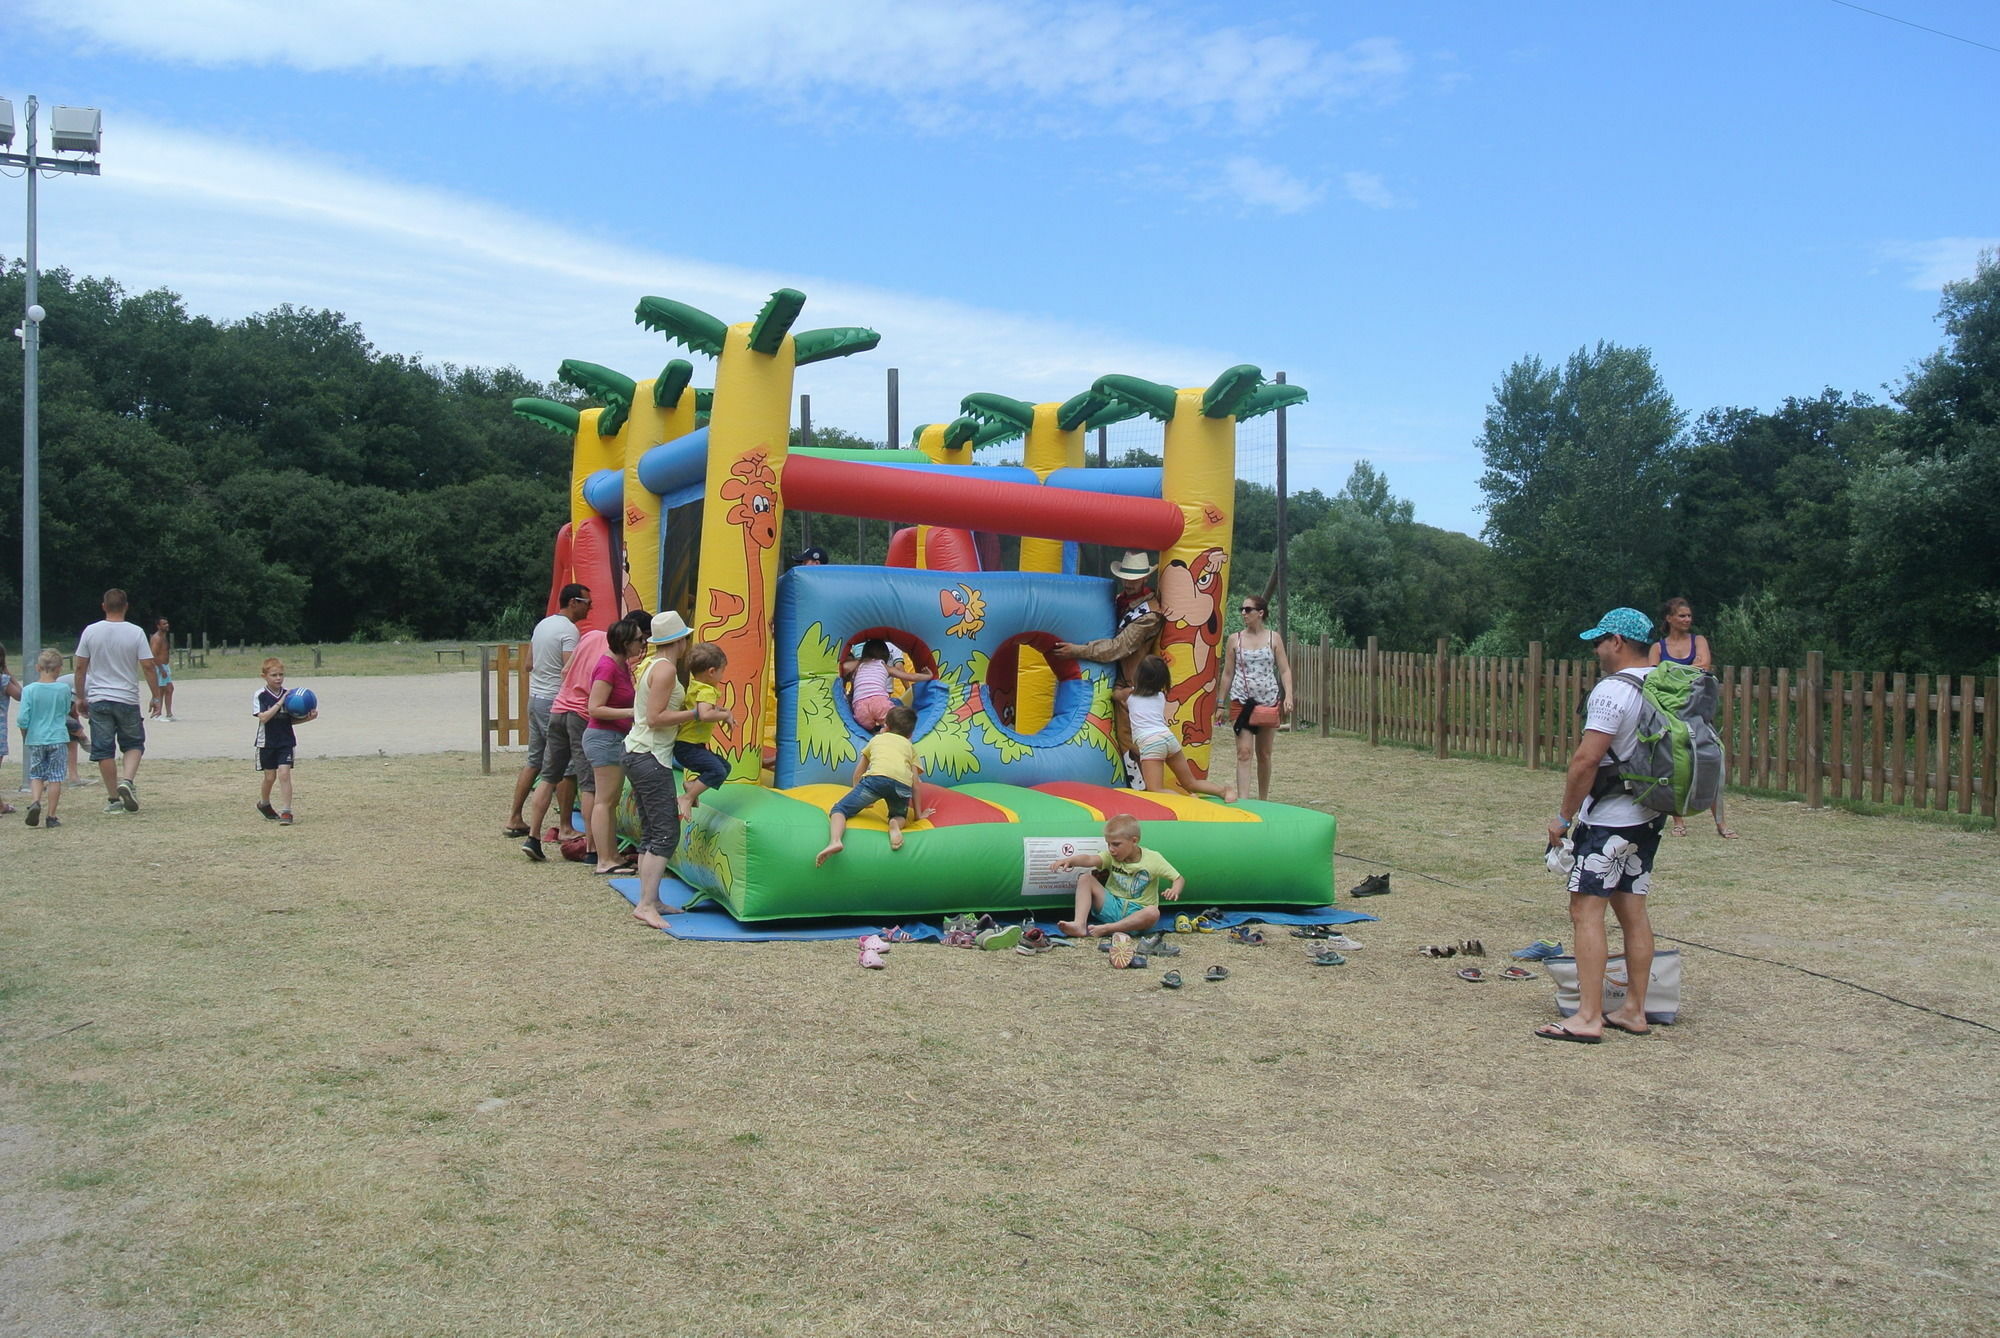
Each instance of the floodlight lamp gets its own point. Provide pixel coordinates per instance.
(6, 123)
(76, 130)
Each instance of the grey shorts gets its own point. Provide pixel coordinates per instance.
(603, 748)
(562, 752)
(652, 783)
(115, 727)
(538, 730)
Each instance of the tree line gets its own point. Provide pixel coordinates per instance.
(278, 478)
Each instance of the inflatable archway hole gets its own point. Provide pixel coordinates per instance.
(1003, 675)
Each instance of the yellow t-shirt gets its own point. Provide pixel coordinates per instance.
(893, 756)
(697, 692)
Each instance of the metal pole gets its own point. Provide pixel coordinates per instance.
(1282, 568)
(31, 427)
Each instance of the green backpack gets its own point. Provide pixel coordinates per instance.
(1676, 764)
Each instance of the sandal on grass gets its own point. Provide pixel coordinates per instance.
(617, 871)
(1518, 973)
(1123, 950)
(1216, 973)
(1170, 981)
(1471, 973)
(1556, 1031)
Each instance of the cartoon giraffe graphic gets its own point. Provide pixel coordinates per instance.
(733, 621)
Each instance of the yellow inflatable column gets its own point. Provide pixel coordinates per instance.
(742, 516)
(1199, 476)
(591, 453)
(1045, 449)
(650, 425)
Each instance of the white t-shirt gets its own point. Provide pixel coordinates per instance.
(1614, 709)
(554, 637)
(117, 652)
(1148, 716)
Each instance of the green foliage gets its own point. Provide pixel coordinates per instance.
(1579, 472)
(275, 478)
(1763, 629)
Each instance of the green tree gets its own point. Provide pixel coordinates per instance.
(1579, 472)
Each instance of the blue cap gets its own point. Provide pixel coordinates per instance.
(1628, 623)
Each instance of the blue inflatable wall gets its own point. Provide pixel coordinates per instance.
(967, 627)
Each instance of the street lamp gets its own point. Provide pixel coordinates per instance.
(71, 130)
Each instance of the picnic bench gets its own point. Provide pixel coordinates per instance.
(442, 651)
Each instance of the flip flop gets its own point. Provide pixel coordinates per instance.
(1216, 973)
(1326, 958)
(1170, 981)
(1471, 973)
(1556, 1031)
(1629, 1031)
(516, 832)
(1518, 973)
(617, 871)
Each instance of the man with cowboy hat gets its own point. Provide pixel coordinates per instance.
(1138, 627)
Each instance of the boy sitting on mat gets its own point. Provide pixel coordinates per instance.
(1138, 879)
(888, 771)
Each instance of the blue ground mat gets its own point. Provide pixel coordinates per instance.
(717, 926)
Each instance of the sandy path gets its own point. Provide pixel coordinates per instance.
(358, 717)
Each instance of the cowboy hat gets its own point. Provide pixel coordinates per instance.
(1134, 566)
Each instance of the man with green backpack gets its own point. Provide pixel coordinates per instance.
(1648, 749)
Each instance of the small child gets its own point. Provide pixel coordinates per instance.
(701, 768)
(871, 672)
(9, 691)
(1138, 879)
(275, 740)
(889, 771)
(45, 723)
(1153, 738)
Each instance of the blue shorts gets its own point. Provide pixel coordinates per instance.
(270, 759)
(115, 728)
(603, 748)
(48, 762)
(166, 675)
(1599, 873)
(1116, 908)
(707, 767)
(892, 792)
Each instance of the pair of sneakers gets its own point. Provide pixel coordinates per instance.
(284, 819)
(35, 817)
(127, 799)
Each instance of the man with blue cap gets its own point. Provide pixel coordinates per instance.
(1613, 837)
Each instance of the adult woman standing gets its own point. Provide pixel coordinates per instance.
(657, 717)
(1682, 645)
(610, 714)
(1258, 673)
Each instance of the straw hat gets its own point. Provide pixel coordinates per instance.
(667, 627)
(1134, 566)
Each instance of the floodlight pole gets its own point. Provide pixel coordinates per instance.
(31, 342)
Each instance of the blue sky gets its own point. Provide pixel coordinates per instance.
(1389, 202)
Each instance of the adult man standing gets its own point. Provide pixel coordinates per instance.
(549, 648)
(111, 657)
(1136, 609)
(1614, 836)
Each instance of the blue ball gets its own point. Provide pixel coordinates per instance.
(300, 701)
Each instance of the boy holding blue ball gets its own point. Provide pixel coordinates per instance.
(275, 741)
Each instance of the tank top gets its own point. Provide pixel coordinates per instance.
(642, 737)
(1256, 678)
(1667, 655)
(871, 679)
(1148, 715)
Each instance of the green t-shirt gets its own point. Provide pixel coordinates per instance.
(1139, 881)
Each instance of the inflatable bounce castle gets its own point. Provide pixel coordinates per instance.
(677, 497)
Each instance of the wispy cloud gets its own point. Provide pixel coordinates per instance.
(237, 229)
(1939, 261)
(1257, 185)
(921, 54)
(1368, 188)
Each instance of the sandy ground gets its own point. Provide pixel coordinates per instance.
(358, 717)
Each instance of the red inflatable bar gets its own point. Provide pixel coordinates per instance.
(877, 492)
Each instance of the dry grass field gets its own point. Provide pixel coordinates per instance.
(376, 1075)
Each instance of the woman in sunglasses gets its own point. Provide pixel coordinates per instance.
(1260, 692)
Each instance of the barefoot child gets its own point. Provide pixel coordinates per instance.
(1153, 738)
(700, 768)
(275, 740)
(889, 771)
(1138, 878)
(871, 672)
(45, 721)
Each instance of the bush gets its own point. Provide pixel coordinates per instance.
(513, 623)
(1760, 630)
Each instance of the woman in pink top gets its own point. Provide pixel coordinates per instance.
(610, 714)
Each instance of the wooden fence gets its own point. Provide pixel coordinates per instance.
(503, 698)
(1915, 740)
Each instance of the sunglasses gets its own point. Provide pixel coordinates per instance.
(1249, 608)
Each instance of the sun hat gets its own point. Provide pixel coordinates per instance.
(1134, 566)
(667, 627)
(1628, 623)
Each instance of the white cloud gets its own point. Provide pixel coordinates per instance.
(1940, 261)
(1368, 188)
(1256, 184)
(920, 53)
(236, 230)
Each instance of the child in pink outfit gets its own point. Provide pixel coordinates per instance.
(872, 673)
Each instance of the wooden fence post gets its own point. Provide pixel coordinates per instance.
(1809, 726)
(1534, 705)
(1374, 691)
(1325, 684)
(485, 710)
(1440, 684)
